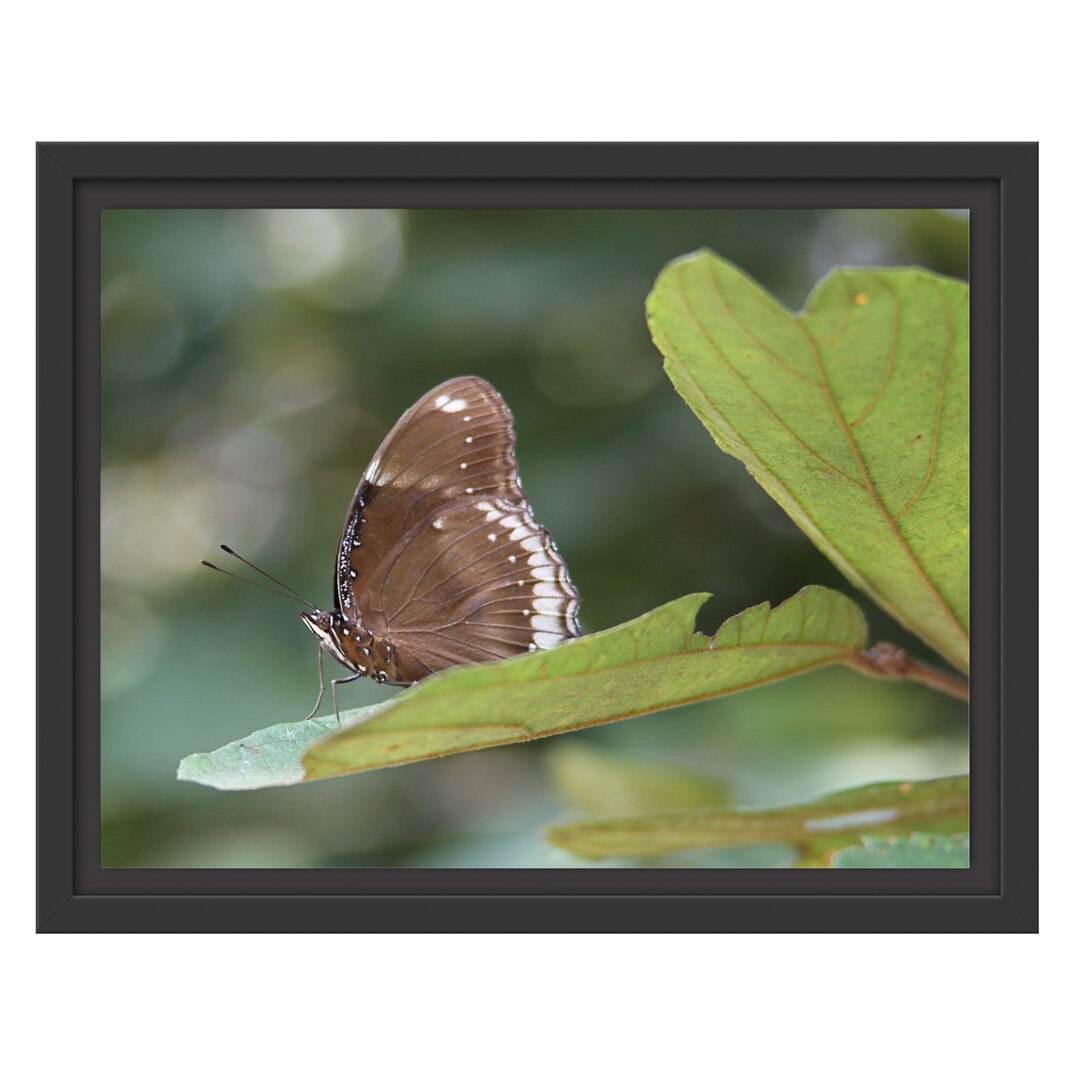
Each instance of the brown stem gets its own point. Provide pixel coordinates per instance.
(888, 661)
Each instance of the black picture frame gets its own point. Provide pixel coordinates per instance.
(998, 181)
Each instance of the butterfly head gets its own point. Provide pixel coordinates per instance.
(320, 623)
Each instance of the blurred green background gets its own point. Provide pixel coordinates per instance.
(251, 363)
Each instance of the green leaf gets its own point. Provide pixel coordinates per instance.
(853, 416)
(815, 829)
(920, 850)
(654, 662)
(597, 781)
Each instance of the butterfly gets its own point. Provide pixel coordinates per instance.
(441, 561)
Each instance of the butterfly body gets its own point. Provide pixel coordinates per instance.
(440, 560)
(350, 644)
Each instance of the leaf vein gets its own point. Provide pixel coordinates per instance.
(949, 349)
(872, 490)
(746, 332)
(891, 358)
(751, 391)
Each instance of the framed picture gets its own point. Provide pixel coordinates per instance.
(653, 510)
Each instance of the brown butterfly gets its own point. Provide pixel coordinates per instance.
(441, 561)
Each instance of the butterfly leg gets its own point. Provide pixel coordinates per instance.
(334, 686)
(322, 687)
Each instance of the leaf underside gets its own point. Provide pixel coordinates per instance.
(815, 829)
(852, 415)
(921, 850)
(654, 662)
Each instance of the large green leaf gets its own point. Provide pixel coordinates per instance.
(923, 850)
(654, 662)
(597, 781)
(853, 416)
(815, 829)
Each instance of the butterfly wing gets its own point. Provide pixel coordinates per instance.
(479, 580)
(455, 442)
(417, 563)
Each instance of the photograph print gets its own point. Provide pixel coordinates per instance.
(566, 538)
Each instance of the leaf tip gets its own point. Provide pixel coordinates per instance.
(674, 265)
(183, 770)
(564, 837)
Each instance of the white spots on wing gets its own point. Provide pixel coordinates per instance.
(464, 464)
(546, 640)
(548, 605)
(356, 543)
(533, 646)
(539, 558)
(445, 403)
(345, 631)
(492, 515)
(438, 524)
(465, 418)
(510, 522)
(520, 584)
(547, 572)
(513, 558)
(468, 438)
(469, 491)
(492, 537)
(441, 400)
(526, 536)
(352, 573)
(548, 588)
(547, 624)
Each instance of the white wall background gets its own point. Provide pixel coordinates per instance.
(659, 1006)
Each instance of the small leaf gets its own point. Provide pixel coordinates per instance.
(270, 757)
(597, 781)
(816, 829)
(921, 850)
(852, 415)
(654, 662)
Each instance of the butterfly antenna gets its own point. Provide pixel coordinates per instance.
(257, 584)
(289, 592)
(288, 588)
